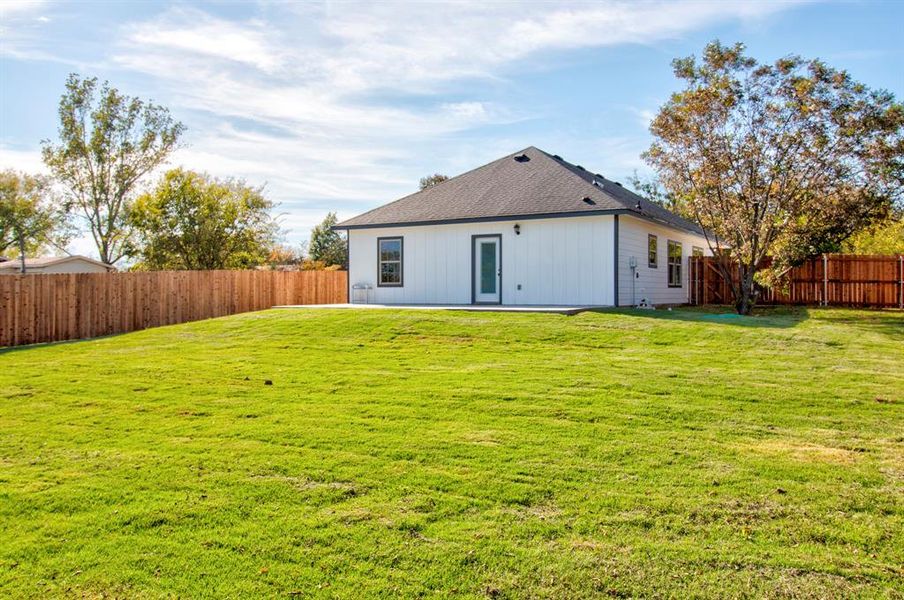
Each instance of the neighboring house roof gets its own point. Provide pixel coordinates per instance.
(48, 261)
(527, 184)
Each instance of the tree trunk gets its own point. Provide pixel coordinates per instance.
(746, 297)
(22, 253)
(104, 251)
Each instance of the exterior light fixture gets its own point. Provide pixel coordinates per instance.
(517, 229)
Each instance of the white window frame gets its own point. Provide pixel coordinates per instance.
(401, 262)
(670, 265)
(654, 264)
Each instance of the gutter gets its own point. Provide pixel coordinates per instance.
(556, 215)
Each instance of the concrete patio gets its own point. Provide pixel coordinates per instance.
(561, 310)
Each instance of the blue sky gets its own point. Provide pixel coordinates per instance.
(343, 106)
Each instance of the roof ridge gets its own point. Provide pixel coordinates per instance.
(645, 211)
(571, 168)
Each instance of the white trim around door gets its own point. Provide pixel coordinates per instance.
(486, 269)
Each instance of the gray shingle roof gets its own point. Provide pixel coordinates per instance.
(511, 187)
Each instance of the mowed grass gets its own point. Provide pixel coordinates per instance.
(459, 454)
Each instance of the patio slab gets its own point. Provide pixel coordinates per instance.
(561, 310)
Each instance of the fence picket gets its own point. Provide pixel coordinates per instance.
(47, 308)
(830, 280)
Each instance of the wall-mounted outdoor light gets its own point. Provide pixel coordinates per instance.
(517, 229)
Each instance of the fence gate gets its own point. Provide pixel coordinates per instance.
(707, 286)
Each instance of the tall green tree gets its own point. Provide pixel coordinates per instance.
(108, 142)
(432, 180)
(196, 222)
(785, 159)
(327, 245)
(30, 217)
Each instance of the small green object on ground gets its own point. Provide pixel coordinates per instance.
(726, 317)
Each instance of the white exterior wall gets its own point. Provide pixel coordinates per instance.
(562, 261)
(71, 266)
(652, 284)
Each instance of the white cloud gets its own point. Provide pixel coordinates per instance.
(199, 34)
(29, 161)
(643, 116)
(468, 110)
(10, 8)
(334, 104)
(19, 22)
(613, 23)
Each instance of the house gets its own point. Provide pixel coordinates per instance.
(55, 264)
(527, 229)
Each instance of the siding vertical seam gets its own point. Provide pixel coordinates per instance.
(615, 254)
(348, 269)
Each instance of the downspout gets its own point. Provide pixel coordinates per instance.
(633, 279)
(615, 270)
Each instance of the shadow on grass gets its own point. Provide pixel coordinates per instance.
(24, 347)
(889, 322)
(768, 317)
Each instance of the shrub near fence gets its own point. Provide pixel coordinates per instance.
(47, 308)
(828, 280)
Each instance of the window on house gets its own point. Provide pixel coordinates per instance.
(652, 251)
(674, 264)
(697, 251)
(389, 261)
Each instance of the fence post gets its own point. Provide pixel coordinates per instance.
(705, 293)
(900, 281)
(825, 280)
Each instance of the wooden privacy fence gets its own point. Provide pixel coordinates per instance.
(47, 308)
(828, 280)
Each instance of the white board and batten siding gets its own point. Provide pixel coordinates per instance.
(652, 283)
(561, 261)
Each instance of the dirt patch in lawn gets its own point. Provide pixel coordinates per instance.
(807, 452)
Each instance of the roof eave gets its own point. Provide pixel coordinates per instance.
(520, 217)
(489, 219)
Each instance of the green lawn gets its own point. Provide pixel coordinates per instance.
(449, 453)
